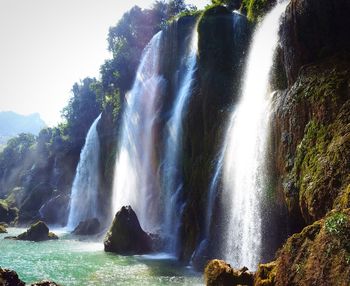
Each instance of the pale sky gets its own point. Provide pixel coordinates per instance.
(48, 45)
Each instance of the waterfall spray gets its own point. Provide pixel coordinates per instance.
(172, 162)
(244, 161)
(135, 178)
(84, 196)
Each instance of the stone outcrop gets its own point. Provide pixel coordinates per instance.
(126, 236)
(10, 278)
(2, 229)
(313, 30)
(7, 214)
(37, 232)
(312, 142)
(319, 255)
(88, 227)
(219, 273)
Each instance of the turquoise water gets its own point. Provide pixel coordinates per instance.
(69, 261)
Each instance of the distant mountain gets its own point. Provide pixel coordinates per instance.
(12, 124)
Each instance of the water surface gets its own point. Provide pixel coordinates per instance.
(69, 261)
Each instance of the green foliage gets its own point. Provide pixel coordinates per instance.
(82, 109)
(16, 151)
(255, 9)
(337, 224)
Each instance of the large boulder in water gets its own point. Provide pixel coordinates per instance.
(88, 227)
(10, 278)
(219, 273)
(126, 236)
(37, 232)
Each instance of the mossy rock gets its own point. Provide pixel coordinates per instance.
(265, 275)
(7, 214)
(126, 236)
(312, 125)
(37, 232)
(219, 273)
(256, 9)
(2, 229)
(319, 255)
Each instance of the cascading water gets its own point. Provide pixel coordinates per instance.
(135, 179)
(243, 165)
(172, 160)
(240, 30)
(84, 196)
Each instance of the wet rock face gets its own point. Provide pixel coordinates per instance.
(7, 214)
(126, 236)
(219, 273)
(37, 232)
(55, 210)
(313, 30)
(319, 255)
(312, 142)
(88, 227)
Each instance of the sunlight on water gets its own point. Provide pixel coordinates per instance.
(72, 262)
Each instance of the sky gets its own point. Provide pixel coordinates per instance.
(48, 45)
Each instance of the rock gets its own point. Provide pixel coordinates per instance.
(219, 273)
(10, 278)
(88, 227)
(312, 142)
(7, 214)
(37, 232)
(266, 274)
(318, 255)
(45, 283)
(126, 236)
(2, 229)
(312, 30)
(4, 224)
(55, 210)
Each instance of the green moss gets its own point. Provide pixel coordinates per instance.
(337, 224)
(255, 9)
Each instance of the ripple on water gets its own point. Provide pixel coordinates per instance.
(72, 262)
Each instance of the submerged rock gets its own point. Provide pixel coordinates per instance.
(126, 236)
(88, 227)
(10, 278)
(219, 273)
(45, 283)
(37, 232)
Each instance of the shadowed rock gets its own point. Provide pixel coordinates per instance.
(10, 278)
(37, 232)
(126, 236)
(88, 227)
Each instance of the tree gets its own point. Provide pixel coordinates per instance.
(82, 109)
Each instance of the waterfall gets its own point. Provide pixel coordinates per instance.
(172, 167)
(240, 29)
(135, 179)
(244, 175)
(84, 195)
